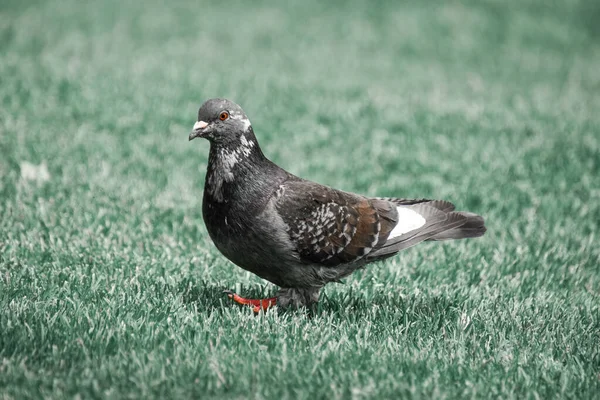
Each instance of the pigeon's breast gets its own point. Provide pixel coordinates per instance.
(258, 243)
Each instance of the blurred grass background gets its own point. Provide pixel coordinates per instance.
(110, 286)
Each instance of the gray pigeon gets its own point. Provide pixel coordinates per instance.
(298, 234)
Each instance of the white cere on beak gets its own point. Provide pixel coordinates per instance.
(200, 125)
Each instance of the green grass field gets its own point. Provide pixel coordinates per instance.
(111, 288)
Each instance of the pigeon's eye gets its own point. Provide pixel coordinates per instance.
(224, 115)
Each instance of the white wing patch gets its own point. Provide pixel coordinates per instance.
(408, 220)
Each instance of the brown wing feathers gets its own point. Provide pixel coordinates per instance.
(337, 227)
(333, 227)
(366, 234)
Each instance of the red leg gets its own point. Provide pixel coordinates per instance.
(256, 304)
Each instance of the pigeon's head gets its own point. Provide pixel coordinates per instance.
(220, 121)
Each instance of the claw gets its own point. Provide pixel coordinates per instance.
(256, 304)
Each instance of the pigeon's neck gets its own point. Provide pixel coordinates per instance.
(232, 165)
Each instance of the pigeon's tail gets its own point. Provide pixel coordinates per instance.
(427, 220)
(474, 226)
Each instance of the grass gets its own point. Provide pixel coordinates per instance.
(111, 288)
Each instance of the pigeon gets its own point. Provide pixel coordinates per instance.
(298, 234)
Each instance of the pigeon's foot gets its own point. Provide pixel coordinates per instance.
(256, 304)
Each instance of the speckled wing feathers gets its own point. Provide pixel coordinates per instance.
(332, 227)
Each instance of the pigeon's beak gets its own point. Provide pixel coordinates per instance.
(198, 130)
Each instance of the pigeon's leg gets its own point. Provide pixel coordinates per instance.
(256, 304)
(298, 297)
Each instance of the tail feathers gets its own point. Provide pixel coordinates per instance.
(474, 226)
(435, 222)
(442, 205)
(441, 223)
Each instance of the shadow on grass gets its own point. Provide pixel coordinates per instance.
(348, 305)
(209, 297)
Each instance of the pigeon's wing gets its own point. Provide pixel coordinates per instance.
(331, 227)
(441, 205)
